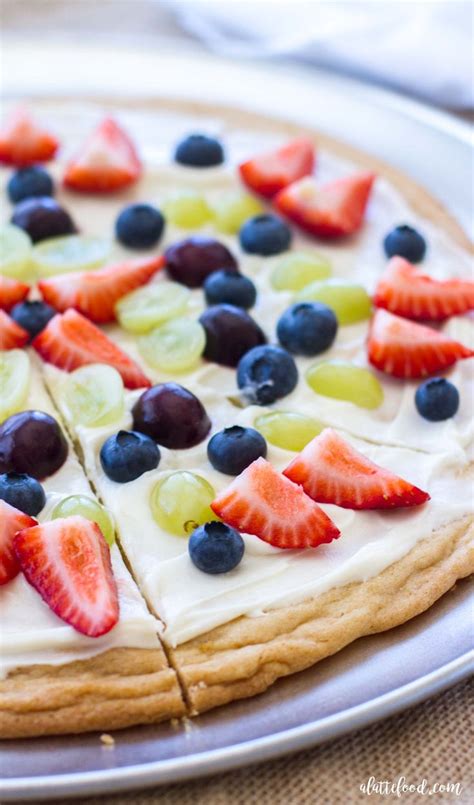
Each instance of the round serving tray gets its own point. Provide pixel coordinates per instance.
(374, 677)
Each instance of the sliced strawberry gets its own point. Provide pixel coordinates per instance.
(269, 173)
(404, 291)
(68, 562)
(330, 211)
(107, 161)
(23, 141)
(12, 335)
(263, 502)
(69, 340)
(404, 348)
(11, 292)
(95, 293)
(11, 521)
(330, 470)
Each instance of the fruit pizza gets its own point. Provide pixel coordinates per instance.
(236, 413)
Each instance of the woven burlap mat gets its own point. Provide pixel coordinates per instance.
(433, 742)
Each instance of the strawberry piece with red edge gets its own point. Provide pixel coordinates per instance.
(270, 172)
(69, 340)
(11, 521)
(11, 292)
(406, 349)
(263, 502)
(67, 561)
(330, 470)
(24, 142)
(328, 211)
(95, 293)
(402, 290)
(107, 161)
(12, 336)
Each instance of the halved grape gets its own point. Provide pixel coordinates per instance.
(349, 301)
(297, 269)
(14, 381)
(287, 429)
(175, 346)
(232, 209)
(15, 252)
(69, 253)
(187, 209)
(94, 395)
(181, 501)
(344, 381)
(90, 509)
(153, 304)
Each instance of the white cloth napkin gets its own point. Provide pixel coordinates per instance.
(423, 48)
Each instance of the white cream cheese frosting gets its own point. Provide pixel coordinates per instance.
(191, 602)
(361, 260)
(30, 632)
(431, 455)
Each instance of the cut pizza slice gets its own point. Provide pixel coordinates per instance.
(44, 659)
(231, 634)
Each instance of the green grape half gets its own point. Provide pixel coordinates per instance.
(15, 253)
(15, 374)
(175, 346)
(287, 429)
(94, 395)
(90, 509)
(187, 209)
(296, 270)
(344, 381)
(349, 301)
(147, 307)
(69, 253)
(232, 209)
(181, 501)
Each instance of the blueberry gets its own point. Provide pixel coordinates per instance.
(23, 492)
(265, 235)
(216, 548)
(227, 287)
(406, 242)
(32, 316)
(265, 374)
(437, 399)
(230, 333)
(139, 226)
(199, 151)
(42, 218)
(232, 450)
(127, 455)
(28, 183)
(307, 328)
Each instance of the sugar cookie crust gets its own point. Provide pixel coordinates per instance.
(246, 656)
(116, 689)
